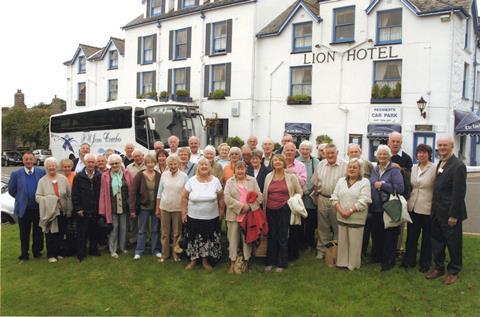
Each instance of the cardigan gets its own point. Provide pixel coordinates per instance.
(420, 200)
(293, 185)
(232, 196)
(105, 202)
(45, 188)
(138, 194)
(169, 190)
(358, 195)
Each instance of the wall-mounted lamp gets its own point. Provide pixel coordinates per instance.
(422, 104)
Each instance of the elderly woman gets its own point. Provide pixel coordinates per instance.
(419, 207)
(234, 156)
(351, 198)
(279, 187)
(162, 156)
(54, 199)
(223, 151)
(169, 205)
(217, 169)
(257, 169)
(309, 223)
(186, 166)
(202, 208)
(113, 204)
(101, 163)
(67, 170)
(236, 191)
(142, 202)
(385, 180)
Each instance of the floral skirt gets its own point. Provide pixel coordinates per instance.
(203, 238)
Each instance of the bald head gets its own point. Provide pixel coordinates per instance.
(395, 142)
(445, 144)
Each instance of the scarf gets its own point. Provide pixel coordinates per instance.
(116, 182)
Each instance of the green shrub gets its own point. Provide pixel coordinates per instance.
(182, 93)
(385, 91)
(151, 94)
(299, 98)
(235, 141)
(217, 94)
(164, 94)
(397, 91)
(375, 91)
(324, 138)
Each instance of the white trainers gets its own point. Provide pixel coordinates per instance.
(115, 255)
(125, 251)
(52, 260)
(320, 255)
(60, 257)
(136, 257)
(158, 255)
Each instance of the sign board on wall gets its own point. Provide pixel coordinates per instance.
(384, 114)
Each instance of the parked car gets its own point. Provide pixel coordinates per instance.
(7, 204)
(41, 155)
(11, 158)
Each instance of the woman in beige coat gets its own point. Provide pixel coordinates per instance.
(55, 200)
(279, 187)
(236, 190)
(419, 207)
(350, 198)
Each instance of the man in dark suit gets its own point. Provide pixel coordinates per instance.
(448, 212)
(23, 186)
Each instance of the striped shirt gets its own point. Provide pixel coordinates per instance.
(326, 176)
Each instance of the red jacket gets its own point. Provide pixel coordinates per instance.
(254, 225)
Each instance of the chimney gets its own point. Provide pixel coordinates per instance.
(19, 99)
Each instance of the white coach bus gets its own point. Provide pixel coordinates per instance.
(113, 124)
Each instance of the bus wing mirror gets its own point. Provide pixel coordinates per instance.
(151, 123)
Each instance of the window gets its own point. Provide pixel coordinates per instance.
(179, 79)
(82, 64)
(477, 93)
(113, 60)
(82, 93)
(108, 119)
(467, 33)
(141, 127)
(112, 89)
(344, 24)
(387, 73)
(184, 4)
(181, 44)
(301, 81)
(146, 83)
(389, 27)
(156, 7)
(466, 69)
(148, 49)
(302, 37)
(219, 37)
(218, 77)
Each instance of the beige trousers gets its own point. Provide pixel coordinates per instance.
(233, 234)
(327, 223)
(170, 221)
(349, 250)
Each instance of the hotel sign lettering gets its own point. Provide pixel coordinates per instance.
(360, 54)
(384, 114)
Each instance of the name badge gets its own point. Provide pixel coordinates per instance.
(440, 170)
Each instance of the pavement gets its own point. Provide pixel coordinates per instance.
(471, 225)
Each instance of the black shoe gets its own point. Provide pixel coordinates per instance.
(424, 269)
(23, 258)
(94, 253)
(81, 258)
(37, 255)
(387, 267)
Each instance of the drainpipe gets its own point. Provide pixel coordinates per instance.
(253, 115)
(452, 56)
(473, 138)
(270, 100)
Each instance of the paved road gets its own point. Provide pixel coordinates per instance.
(472, 224)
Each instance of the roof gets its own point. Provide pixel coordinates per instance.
(119, 44)
(430, 7)
(276, 26)
(141, 20)
(88, 50)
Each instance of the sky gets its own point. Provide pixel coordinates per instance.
(38, 36)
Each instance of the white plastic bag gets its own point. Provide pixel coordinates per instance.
(389, 223)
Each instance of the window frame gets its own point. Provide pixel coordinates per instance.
(183, 6)
(212, 72)
(467, 33)
(82, 64)
(292, 69)
(110, 59)
(176, 44)
(79, 93)
(174, 81)
(151, 8)
(466, 77)
(213, 38)
(142, 82)
(335, 26)
(109, 97)
(377, 31)
(144, 50)
(302, 49)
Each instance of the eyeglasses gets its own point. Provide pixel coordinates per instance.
(115, 163)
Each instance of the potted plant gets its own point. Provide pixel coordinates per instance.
(163, 96)
(385, 94)
(217, 94)
(235, 141)
(182, 95)
(299, 100)
(151, 95)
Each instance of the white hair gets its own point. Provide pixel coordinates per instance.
(267, 140)
(394, 134)
(307, 144)
(209, 148)
(383, 147)
(89, 156)
(352, 145)
(50, 160)
(446, 137)
(234, 149)
(173, 157)
(114, 158)
(137, 151)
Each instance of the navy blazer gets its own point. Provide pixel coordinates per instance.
(262, 173)
(17, 188)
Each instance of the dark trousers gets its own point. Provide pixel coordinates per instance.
(450, 237)
(310, 225)
(295, 241)
(55, 240)
(383, 240)
(86, 231)
(421, 224)
(277, 246)
(29, 222)
(366, 238)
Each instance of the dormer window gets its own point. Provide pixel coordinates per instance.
(82, 64)
(156, 7)
(113, 60)
(184, 4)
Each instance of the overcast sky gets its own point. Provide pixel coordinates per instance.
(38, 36)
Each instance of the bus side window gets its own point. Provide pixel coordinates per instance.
(140, 127)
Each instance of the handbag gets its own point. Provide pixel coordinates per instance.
(393, 207)
(240, 265)
(331, 253)
(405, 216)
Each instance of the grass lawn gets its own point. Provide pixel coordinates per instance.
(104, 286)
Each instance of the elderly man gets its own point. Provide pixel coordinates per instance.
(448, 212)
(138, 163)
(78, 163)
(325, 178)
(158, 146)
(101, 163)
(246, 155)
(195, 152)
(321, 151)
(267, 146)
(22, 186)
(252, 142)
(85, 196)
(285, 139)
(128, 158)
(173, 142)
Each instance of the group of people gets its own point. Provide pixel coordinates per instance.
(178, 197)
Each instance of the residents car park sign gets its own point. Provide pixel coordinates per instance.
(384, 114)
